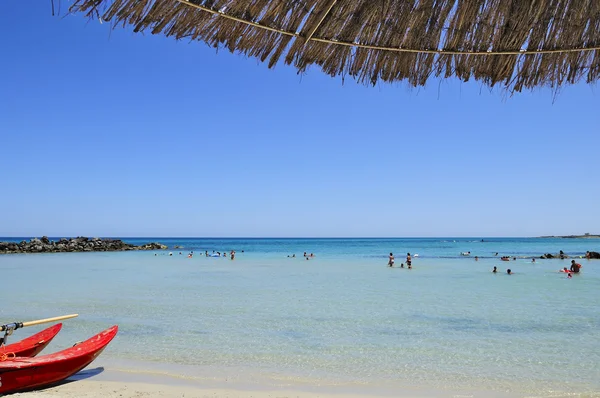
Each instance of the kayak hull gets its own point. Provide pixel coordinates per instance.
(22, 374)
(33, 345)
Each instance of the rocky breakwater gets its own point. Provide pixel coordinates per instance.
(79, 244)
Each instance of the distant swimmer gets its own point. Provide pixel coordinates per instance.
(232, 254)
(533, 260)
(495, 270)
(476, 258)
(408, 260)
(496, 254)
(509, 272)
(391, 260)
(569, 276)
(465, 253)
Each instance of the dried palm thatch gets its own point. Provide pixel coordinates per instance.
(515, 44)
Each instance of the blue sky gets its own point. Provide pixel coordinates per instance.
(111, 133)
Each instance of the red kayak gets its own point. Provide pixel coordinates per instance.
(28, 373)
(31, 346)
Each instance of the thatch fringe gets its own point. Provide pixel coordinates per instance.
(512, 43)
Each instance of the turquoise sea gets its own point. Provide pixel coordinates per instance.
(342, 318)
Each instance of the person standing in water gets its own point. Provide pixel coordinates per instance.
(408, 260)
(391, 260)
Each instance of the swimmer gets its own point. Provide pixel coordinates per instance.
(509, 272)
(495, 270)
(476, 258)
(391, 260)
(575, 267)
(408, 260)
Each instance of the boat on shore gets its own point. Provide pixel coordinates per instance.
(23, 374)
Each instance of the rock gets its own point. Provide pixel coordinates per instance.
(152, 246)
(78, 244)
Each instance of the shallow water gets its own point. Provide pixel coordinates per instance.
(341, 317)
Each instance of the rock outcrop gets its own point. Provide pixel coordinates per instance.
(79, 244)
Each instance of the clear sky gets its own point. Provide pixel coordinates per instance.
(111, 133)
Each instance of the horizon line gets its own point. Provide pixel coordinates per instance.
(291, 237)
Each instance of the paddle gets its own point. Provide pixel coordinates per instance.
(18, 325)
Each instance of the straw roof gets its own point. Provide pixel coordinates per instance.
(514, 44)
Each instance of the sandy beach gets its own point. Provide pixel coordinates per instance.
(116, 384)
(97, 389)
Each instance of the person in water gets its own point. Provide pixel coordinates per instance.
(575, 267)
(408, 260)
(509, 272)
(391, 260)
(495, 270)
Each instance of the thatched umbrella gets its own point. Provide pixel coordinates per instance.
(511, 43)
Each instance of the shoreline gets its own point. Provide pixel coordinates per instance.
(112, 383)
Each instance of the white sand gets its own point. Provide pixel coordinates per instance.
(111, 389)
(117, 384)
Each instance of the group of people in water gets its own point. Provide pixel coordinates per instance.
(408, 261)
(213, 254)
(306, 256)
(575, 268)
